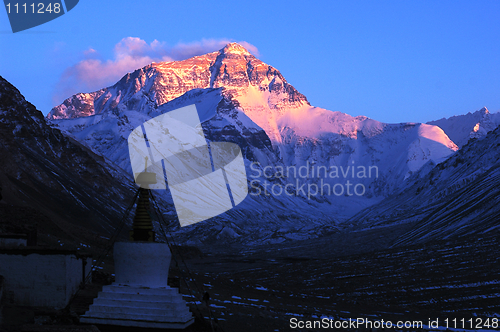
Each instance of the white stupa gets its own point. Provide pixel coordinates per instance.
(140, 296)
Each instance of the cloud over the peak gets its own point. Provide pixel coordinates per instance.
(93, 72)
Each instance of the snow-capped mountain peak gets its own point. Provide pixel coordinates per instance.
(232, 68)
(241, 99)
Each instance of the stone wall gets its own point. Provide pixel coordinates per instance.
(41, 279)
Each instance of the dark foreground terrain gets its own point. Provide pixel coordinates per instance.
(341, 277)
(263, 290)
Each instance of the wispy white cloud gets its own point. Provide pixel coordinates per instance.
(93, 72)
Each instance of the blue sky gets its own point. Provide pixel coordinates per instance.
(393, 61)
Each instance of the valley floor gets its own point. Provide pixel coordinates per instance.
(264, 290)
(341, 277)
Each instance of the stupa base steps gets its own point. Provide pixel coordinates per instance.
(136, 306)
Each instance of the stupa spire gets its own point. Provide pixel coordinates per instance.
(142, 228)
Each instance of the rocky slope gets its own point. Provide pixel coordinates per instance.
(459, 197)
(76, 189)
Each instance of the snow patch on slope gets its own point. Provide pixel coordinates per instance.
(432, 144)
